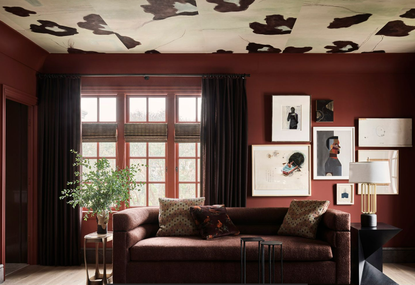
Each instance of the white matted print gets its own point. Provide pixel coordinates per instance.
(291, 118)
(333, 150)
(385, 132)
(345, 194)
(281, 170)
(392, 156)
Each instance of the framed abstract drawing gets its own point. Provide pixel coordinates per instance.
(333, 150)
(392, 156)
(291, 118)
(345, 194)
(385, 132)
(325, 111)
(281, 170)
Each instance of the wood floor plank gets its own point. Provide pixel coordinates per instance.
(401, 273)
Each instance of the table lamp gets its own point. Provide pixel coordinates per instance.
(369, 174)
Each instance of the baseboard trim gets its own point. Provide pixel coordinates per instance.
(398, 254)
(90, 255)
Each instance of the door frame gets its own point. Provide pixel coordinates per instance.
(30, 101)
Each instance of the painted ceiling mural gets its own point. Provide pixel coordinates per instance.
(215, 26)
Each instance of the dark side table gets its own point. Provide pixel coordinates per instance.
(367, 264)
(98, 278)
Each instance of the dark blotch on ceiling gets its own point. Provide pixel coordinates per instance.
(46, 27)
(152, 51)
(297, 49)
(165, 8)
(348, 21)
(395, 29)
(79, 51)
(223, 51)
(276, 25)
(409, 14)
(19, 11)
(96, 24)
(258, 48)
(223, 6)
(342, 47)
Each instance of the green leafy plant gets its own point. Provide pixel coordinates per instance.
(99, 188)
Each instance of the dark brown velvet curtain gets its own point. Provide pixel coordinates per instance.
(59, 132)
(224, 140)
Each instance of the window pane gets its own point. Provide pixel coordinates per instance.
(187, 171)
(155, 192)
(92, 164)
(89, 149)
(187, 109)
(141, 174)
(198, 170)
(89, 109)
(187, 191)
(138, 109)
(107, 109)
(113, 163)
(187, 149)
(107, 149)
(138, 149)
(198, 149)
(156, 109)
(157, 149)
(138, 198)
(156, 168)
(199, 109)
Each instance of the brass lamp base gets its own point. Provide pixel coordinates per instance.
(368, 220)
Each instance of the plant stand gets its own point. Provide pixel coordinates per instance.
(98, 278)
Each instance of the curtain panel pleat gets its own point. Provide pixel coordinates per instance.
(224, 141)
(59, 119)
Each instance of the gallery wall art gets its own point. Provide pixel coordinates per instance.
(291, 118)
(333, 150)
(281, 170)
(385, 132)
(325, 111)
(345, 194)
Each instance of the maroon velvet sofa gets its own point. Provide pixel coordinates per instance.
(141, 257)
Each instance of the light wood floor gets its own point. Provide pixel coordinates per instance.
(401, 273)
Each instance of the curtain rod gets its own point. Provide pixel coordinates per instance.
(147, 75)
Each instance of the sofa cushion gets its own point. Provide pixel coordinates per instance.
(213, 221)
(303, 217)
(226, 248)
(175, 218)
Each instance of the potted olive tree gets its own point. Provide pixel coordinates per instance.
(99, 188)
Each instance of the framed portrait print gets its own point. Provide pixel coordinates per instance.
(345, 194)
(385, 132)
(392, 156)
(333, 150)
(281, 170)
(291, 118)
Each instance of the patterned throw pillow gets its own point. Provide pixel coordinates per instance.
(213, 221)
(303, 217)
(175, 218)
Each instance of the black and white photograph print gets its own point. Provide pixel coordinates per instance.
(292, 116)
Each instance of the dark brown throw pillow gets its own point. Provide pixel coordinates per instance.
(213, 221)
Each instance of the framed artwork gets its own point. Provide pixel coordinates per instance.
(291, 118)
(281, 170)
(345, 194)
(385, 132)
(324, 111)
(333, 150)
(392, 156)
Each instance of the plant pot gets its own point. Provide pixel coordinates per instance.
(102, 223)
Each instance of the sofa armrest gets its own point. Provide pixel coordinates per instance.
(336, 220)
(129, 227)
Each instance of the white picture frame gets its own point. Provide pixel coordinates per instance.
(392, 156)
(330, 163)
(290, 125)
(345, 194)
(274, 175)
(375, 132)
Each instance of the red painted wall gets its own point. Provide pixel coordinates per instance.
(361, 85)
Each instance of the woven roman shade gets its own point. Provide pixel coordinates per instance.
(92, 132)
(145, 132)
(187, 133)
